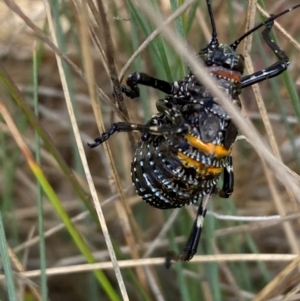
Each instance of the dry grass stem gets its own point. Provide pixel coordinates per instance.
(161, 261)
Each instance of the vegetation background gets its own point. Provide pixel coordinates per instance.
(238, 260)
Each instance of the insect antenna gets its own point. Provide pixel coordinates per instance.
(271, 18)
(214, 40)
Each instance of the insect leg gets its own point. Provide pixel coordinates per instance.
(144, 79)
(228, 181)
(191, 245)
(273, 70)
(166, 106)
(134, 127)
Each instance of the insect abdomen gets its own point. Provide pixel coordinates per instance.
(174, 171)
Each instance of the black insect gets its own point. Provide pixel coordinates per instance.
(186, 146)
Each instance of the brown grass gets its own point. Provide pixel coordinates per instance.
(133, 225)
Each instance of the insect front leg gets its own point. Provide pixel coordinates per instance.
(144, 79)
(134, 127)
(275, 69)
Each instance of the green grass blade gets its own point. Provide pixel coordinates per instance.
(57, 205)
(18, 97)
(6, 264)
(42, 247)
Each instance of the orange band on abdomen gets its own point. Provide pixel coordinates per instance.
(198, 166)
(208, 148)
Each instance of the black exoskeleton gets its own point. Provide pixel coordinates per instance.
(186, 146)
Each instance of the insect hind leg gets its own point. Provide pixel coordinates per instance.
(228, 180)
(192, 243)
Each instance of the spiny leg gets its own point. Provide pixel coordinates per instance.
(131, 127)
(273, 70)
(177, 124)
(191, 245)
(228, 180)
(144, 79)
